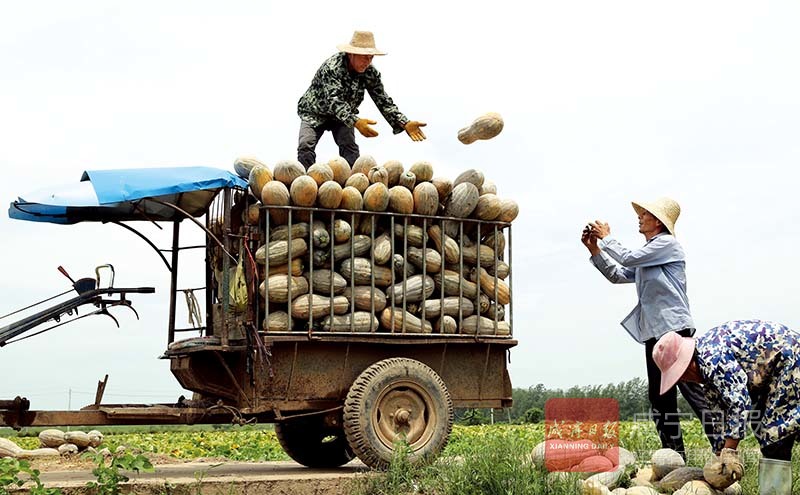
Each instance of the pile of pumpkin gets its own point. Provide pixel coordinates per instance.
(600, 472)
(53, 443)
(344, 254)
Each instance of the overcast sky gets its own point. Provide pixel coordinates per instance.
(604, 103)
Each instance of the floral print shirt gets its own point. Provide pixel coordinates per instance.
(751, 372)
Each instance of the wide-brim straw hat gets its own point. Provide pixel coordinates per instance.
(672, 354)
(363, 43)
(665, 210)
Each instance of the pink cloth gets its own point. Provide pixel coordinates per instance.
(672, 354)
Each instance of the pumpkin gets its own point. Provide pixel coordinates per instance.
(359, 321)
(455, 285)
(478, 253)
(351, 199)
(281, 233)
(472, 176)
(497, 238)
(641, 490)
(287, 171)
(423, 171)
(724, 471)
(303, 191)
(488, 207)
(676, 478)
(37, 453)
(318, 306)
(253, 214)
(463, 200)
(296, 267)
(376, 197)
(488, 187)
(426, 199)
(9, 448)
(486, 126)
(278, 286)
(414, 235)
(619, 455)
(501, 271)
(379, 174)
(445, 243)
(484, 326)
(319, 235)
(358, 246)
(359, 181)
(593, 464)
(397, 320)
(323, 280)
(277, 252)
(591, 487)
(664, 461)
(277, 321)
(259, 176)
(361, 271)
(508, 210)
(364, 164)
(67, 449)
(243, 165)
(444, 187)
(400, 200)
(320, 172)
(608, 478)
(401, 268)
(341, 231)
(275, 193)
(329, 194)
(382, 249)
(699, 487)
(445, 324)
(432, 259)
(449, 306)
(362, 297)
(79, 438)
(413, 289)
(51, 438)
(408, 180)
(341, 169)
(395, 169)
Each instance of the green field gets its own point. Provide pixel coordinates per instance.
(483, 459)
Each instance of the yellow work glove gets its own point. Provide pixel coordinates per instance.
(414, 131)
(724, 470)
(363, 126)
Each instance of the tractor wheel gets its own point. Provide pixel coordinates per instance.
(314, 443)
(397, 399)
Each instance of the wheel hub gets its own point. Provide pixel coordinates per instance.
(402, 413)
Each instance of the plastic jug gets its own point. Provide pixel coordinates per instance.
(774, 477)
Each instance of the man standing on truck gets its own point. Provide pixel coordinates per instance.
(331, 102)
(659, 270)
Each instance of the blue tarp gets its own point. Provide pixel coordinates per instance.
(120, 195)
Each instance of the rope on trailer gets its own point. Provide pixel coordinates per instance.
(195, 319)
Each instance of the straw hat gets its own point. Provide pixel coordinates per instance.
(363, 43)
(672, 354)
(665, 210)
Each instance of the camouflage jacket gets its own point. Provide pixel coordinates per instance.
(336, 92)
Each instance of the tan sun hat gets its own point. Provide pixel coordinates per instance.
(363, 43)
(665, 210)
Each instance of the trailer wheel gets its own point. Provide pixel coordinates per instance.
(397, 399)
(313, 443)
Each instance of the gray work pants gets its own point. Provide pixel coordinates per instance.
(343, 136)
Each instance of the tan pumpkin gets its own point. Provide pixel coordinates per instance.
(277, 253)
(508, 210)
(395, 169)
(351, 199)
(321, 282)
(359, 181)
(275, 193)
(413, 289)
(277, 321)
(253, 214)
(449, 306)
(79, 438)
(472, 176)
(296, 267)
(432, 259)
(488, 187)
(493, 238)
(408, 180)
(463, 200)
(478, 254)
(401, 200)
(303, 191)
(281, 233)
(379, 174)
(455, 285)
(363, 298)
(676, 478)
(445, 243)
(320, 172)
(488, 207)
(341, 169)
(243, 165)
(486, 126)
(414, 235)
(361, 271)
(444, 187)
(359, 245)
(51, 438)
(665, 460)
(376, 197)
(359, 321)
(593, 464)
(278, 286)
(341, 231)
(382, 249)
(318, 306)
(445, 324)
(320, 236)
(287, 171)
(426, 199)
(423, 171)
(397, 320)
(329, 195)
(259, 176)
(364, 164)
(402, 269)
(483, 326)
(501, 270)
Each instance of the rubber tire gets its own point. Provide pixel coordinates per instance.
(369, 387)
(304, 440)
